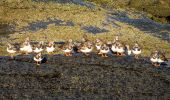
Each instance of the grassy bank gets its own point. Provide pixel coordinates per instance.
(158, 9)
(37, 20)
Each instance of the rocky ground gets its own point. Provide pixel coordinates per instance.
(82, 77)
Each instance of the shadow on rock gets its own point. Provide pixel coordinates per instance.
(35, 26)
(94, 29)
(144, 24)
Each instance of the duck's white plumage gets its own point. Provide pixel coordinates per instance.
(38, 50)
(154, 57)
(38, 59)
(154, 60)
(86, 50)
(128, 50)
(160, 60)
(86, 47)
(26, 48)
(104, 51)
(114, 48)
(98, 47)
(50, 48)
(11, 50)
(39, 47)
(98, 44)
(120, 50)
(136, 52)
(67, 50)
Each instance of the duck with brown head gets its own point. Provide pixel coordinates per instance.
(67, 48)
(38, 58)
(136, 50)
(86, 48)
(98, 44)
(154, 57)
(120, 49)
(104, 50)
(162, 59)
(117, 47)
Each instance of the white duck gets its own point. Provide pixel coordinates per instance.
(114, 45)
(67, 48)
(98, 44)
(120, 49)
(39, 48)
(86, 48)
(27, 48)
(114, 48)
(154, 58)
(50, 48)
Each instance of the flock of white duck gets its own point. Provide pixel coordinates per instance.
(85, 46)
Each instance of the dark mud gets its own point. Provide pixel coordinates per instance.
(82, 77)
